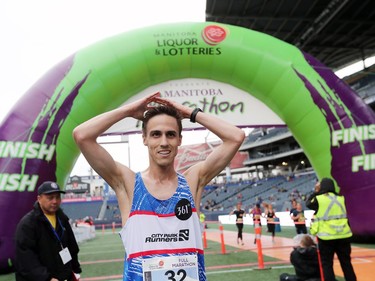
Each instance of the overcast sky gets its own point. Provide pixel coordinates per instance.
(38, 34)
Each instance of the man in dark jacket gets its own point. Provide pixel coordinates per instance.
(46, 249)
(332, 228)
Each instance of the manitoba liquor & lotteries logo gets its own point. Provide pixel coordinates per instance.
(214, 34)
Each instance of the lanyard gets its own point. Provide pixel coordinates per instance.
(54, 230)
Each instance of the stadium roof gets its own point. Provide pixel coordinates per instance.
(336, 32)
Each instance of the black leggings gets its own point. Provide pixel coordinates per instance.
(271, 228)
(239, 227)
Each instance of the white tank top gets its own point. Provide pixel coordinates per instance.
(161, 228)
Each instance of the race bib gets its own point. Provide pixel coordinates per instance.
(177, 268)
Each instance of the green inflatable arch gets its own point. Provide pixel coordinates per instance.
(331, 123)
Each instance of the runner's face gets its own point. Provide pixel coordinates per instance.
(163, 139)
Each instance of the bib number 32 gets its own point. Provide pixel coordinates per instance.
(180, 275)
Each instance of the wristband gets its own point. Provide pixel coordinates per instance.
(194, 114)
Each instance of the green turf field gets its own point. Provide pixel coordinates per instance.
(102, 259)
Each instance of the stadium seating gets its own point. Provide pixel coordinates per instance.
(79, 210)
(279, 191)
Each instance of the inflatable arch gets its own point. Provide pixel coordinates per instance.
(331, 123)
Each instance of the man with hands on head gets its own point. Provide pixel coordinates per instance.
(158, 205)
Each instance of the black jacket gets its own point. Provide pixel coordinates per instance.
(305, 262)
(37, 247)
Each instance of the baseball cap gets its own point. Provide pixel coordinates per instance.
(48, 187)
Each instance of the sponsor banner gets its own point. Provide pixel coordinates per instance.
(83, 199)
(76, 185)
(213, 97)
